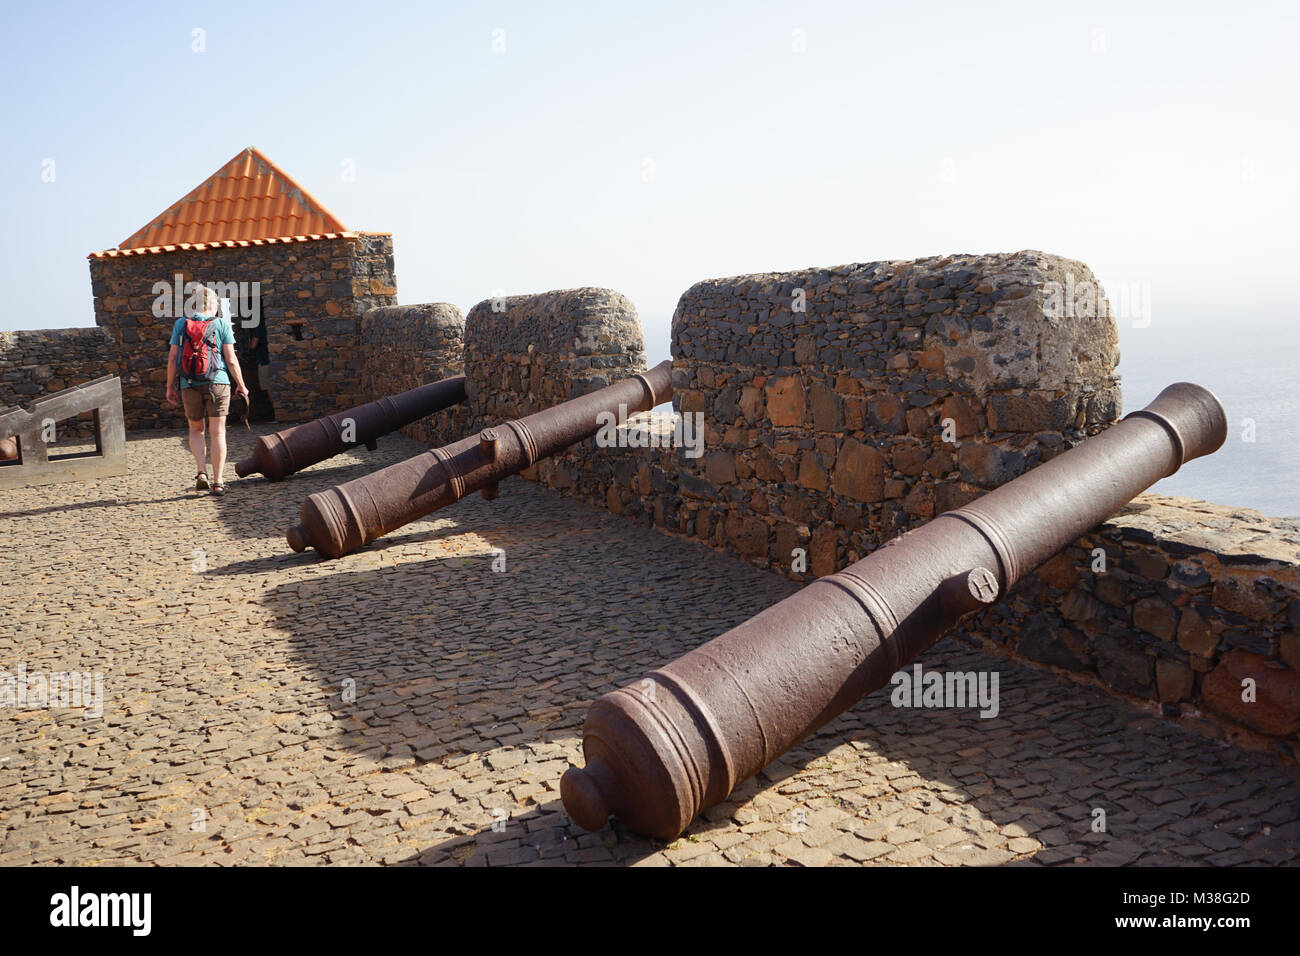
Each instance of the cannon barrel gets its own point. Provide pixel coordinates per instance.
(659, 751)
(280, 455)
(8, 449)
(348, 516)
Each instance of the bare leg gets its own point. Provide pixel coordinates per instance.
(197, 445)
(218, 435)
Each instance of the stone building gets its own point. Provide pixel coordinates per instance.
(282, 260)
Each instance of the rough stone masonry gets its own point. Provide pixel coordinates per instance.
(312, 296)
(844, 406)
(406, 346)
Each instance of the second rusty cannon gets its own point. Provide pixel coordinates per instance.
(346, 517)
(661, 750)
(293, 449)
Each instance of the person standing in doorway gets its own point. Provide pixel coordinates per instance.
(262, 355)
(200, 364)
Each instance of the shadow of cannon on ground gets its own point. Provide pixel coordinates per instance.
(476, 682)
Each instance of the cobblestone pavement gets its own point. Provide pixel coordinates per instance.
(227, 735)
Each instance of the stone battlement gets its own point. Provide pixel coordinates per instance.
(405, 346)
(844, 406)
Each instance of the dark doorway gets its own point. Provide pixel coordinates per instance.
(252, 348)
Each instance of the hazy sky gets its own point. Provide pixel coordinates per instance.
(651, 146)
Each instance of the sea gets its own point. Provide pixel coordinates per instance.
(1254, 369)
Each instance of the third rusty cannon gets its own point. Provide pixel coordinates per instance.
(293, 449)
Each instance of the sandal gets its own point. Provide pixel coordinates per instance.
(201, 482)
(218, 488)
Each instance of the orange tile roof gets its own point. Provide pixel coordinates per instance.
(248, 201)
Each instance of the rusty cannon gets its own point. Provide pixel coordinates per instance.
(346, 517)
(661, 750)
(280, 455)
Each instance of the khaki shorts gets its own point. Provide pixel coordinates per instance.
(207, 401)
(264, 377)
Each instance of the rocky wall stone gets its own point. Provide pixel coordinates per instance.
(844, 406)
(42, 361)
(405, 346)
(1175, 601)
(527, 353)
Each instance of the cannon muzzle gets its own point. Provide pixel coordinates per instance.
(8, 449)
(661, 750)
(346, 517)
(280, 455)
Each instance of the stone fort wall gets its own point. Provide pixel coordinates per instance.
(1176, 602)
(44, 361)
(405, 346)
(844, 406)
(526, 353)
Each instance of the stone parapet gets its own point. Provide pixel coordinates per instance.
(405, 346)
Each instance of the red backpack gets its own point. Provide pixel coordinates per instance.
(199, 357)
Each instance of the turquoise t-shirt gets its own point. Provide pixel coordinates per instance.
(225, 336)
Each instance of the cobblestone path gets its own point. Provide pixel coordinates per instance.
(409, 704)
